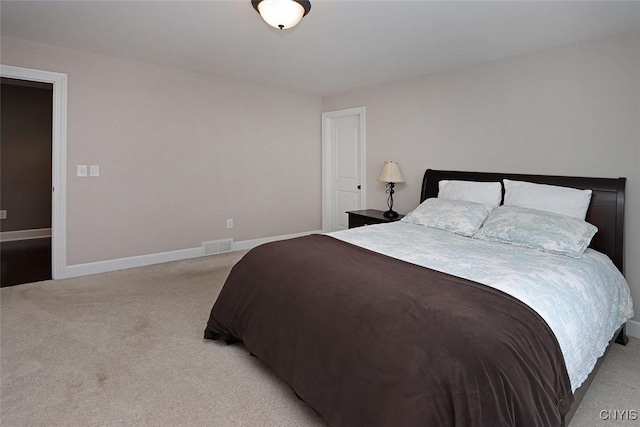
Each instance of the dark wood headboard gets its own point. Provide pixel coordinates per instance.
(606, 210)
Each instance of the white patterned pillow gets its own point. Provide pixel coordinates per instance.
(489, 193)
(536, 229)
(457, 216)
(551, 198)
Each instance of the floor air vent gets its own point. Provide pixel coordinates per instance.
(217, 246)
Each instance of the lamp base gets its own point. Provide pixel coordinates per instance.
(390, 214)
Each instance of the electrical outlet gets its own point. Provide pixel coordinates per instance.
(81, 170)
(230, 223)
(3, 214)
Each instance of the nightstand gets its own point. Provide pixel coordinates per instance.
(369, 217)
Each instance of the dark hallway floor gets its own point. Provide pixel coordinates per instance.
(25, 261)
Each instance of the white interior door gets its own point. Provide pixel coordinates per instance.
(344, 167)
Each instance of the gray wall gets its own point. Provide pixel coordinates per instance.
(179, 153)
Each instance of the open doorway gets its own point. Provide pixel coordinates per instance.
(59, 159)
(26, 181)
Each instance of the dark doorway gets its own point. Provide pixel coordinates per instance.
(25, 181)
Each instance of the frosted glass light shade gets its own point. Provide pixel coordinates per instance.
(282, 14)
(391, 173)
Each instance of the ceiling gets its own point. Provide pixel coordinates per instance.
(340, 45)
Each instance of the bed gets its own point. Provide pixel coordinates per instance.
(370, 328)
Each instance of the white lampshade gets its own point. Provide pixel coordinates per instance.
(282, 14)
(391, 173)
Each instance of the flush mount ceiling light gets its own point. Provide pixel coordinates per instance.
(282, 14)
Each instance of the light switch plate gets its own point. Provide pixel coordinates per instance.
(81, 170)
(94, 170)
(3, 214)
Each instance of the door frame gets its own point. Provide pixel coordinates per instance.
(58, 160)
(327, 161)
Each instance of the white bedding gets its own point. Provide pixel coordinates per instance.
(584, 300)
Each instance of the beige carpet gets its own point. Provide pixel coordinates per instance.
(126, 348)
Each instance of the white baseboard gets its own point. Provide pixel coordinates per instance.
(130, 262)
(142, 260)
(36, 233)
(633, 328)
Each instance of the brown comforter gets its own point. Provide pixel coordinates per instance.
(368, 340)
